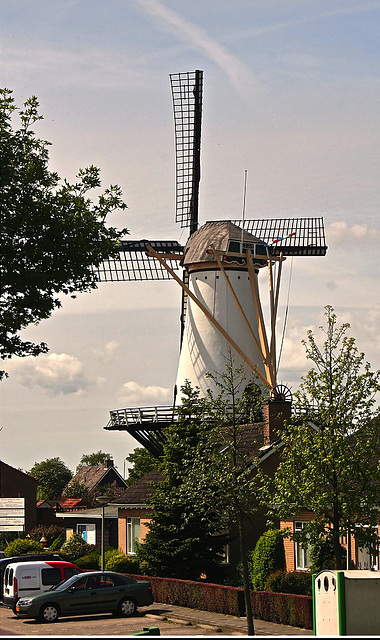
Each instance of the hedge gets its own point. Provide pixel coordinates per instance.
(282, 608)
(203, 596)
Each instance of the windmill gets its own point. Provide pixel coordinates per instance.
(217, 270)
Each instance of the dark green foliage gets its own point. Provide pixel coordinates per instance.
(57, 543)
(268, 556)
(76, 489)
(76, 547)
(52, 475)
(121, 563)
(142, 462)
(52, 234)
(331, 449)
(93, 459)
(90, 560)
(296, 582)
(322, 554)
(22, 546)
(181, 541)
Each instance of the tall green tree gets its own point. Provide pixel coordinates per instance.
(52, 475)
(52, 234)
(181, 541)
(141, 461)
(330, 458)
(234, 486)
(93, 459)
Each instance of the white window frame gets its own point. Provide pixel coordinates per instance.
(370, 553)
(133, 533)
(88, 532)
(301, 550)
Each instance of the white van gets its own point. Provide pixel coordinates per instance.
(30, 578)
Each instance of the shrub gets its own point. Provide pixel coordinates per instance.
(57, 543)
(296, 582)
(22, 546)
(89, 561)
(76, 547)
(122, 563)
(268, 556)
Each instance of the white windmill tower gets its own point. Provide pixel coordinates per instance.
(217, 270)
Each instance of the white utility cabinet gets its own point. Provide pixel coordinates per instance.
(346, 603)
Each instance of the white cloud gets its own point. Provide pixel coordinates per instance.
(240, 75)
(136, 394)
(56, 373)
(339, 232)
(107, 352)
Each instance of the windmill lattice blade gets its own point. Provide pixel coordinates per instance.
(133, 264)
(290, 236)
(187, 93)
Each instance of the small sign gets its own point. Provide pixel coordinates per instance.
(12, 514)
(12, 503)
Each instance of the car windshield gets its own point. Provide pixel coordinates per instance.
(65, 584)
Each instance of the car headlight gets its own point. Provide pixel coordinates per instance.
(25, 601)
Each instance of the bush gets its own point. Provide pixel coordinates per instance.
(267, 557)
(121, 563)
(90, 560)
(76, 547)
(296, 582)
(21, 546)
(57, 543)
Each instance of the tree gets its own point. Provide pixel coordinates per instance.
(93, 459)
(230, 471)
(141, 461)
(52, 475)
(76, 489)
(330, 454)
(52, 236)
(181, 540)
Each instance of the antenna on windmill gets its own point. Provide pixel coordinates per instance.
(243, 210)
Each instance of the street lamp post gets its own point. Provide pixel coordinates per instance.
(103, 500)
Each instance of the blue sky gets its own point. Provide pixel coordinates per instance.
(291, 95)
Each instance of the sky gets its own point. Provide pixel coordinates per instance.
(291, 100)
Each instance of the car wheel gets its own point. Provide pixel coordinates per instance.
(49, 613)
(127, 607)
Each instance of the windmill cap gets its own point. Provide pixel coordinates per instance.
(219, 234)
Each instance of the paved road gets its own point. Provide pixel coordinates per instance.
(171, 621)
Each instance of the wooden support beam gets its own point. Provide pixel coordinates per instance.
(221, 267)
(260, 321)
(216, 324)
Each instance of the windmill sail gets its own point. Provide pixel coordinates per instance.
(187, 93)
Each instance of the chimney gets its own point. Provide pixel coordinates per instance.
(275, 412)
(108, 463)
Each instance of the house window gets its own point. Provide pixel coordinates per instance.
(133, 533)
(87, 531)
(368, 555)
(301, 550)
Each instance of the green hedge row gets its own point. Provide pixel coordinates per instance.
(282, 608)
